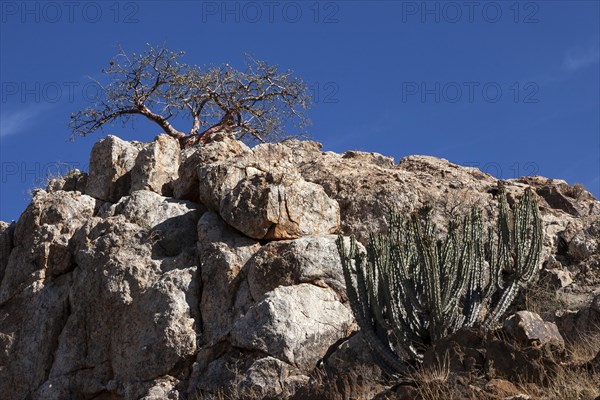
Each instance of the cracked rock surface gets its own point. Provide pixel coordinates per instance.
(168, 273)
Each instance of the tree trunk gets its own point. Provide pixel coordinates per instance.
(162, 121)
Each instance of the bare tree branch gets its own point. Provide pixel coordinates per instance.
(252, 104)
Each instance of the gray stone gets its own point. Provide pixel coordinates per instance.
(295, 324)
(373, 158)
(111, 162)
(261, 194)
(573, 324)
(41, 240)
(312, 259)
(172, 222)
(222, 147)
(528, 327)
(156, 166)
(130, 294)
(263, 208)
(556, 278)
(6, 245)
(73, 181)
(222, 252)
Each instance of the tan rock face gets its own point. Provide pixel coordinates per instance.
(528, 327)
(312, 259)
(261, 194)
(263, 208)
(111, 162)
(313, 318)
(6, 244)
(164, 270)
(156, 166)
(186, 186)
(223, 253)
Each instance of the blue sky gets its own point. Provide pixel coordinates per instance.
(510, 87)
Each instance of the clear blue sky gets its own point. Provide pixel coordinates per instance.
(510, 87)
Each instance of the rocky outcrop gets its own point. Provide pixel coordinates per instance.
(528, 328)
(265, 197)
(314, 320)
(169, 273)
(156, 166)
(312, 259)
(6, 244)
(111, 162)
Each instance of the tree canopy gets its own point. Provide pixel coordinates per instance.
(253, 104)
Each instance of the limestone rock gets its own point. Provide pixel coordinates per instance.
(111, 162)
(262, 208)
(110, 292)
(240, 375)
(172, 222)
(222, 252)
(295, 324)
(74, 180)
(366, 187)
(372, 158)
(556, 278)
(352, 357)
(41, 241)
(312, 259)
(222, 147)
(156, 166)
(573, 324)
(138, 312)
(528, 327)
(151, 305)
(262, 195)
(6, 245)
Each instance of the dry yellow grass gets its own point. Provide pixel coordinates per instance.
(570, 380)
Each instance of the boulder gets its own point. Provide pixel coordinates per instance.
(111, 162)
(222, 253)
(41, 239)
(172, 222)
(111, 289)
(151, 305)
(221, 147)
(556, 278)
(6, 245)
(156, 166)
(263, 208)
(312, 259)
(73, 181)
(556, 199)
(367, 186)
(527, 327)
(237, 374)
(295, 324)
(261, 194)
(371, 158)
(580, 242)
(351, 358)
(577, 323)
(139, 312)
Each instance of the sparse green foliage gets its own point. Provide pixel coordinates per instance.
(252, 104)
(415, 286)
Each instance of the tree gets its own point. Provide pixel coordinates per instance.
(251, 104)
(415, 286)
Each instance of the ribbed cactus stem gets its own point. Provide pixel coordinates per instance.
(413, 286)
